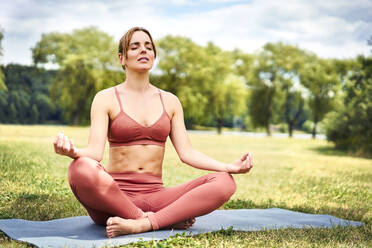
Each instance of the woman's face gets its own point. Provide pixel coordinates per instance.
(140, 55)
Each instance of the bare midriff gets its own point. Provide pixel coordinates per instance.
(136, 158)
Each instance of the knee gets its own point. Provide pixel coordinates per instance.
(80, 169)
(226, 185)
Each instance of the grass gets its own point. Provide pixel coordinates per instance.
(293, 174)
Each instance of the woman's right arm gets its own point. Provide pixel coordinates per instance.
(99, 119)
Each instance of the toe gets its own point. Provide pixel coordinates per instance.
(109, 221)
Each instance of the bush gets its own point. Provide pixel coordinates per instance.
(350, 128)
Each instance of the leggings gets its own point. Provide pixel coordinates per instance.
(130, 194)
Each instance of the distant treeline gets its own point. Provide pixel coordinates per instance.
(280, 85)
(27, 99)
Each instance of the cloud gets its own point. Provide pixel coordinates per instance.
(329, 28)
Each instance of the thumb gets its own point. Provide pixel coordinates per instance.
(74, 149)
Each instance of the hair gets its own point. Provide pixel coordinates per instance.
(125, 40)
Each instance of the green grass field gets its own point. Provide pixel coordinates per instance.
(301, 175)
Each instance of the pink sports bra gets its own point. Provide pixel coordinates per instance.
(125, 131)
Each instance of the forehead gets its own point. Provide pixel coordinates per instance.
(140, 36)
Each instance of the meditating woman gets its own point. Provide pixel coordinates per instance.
(127, 195)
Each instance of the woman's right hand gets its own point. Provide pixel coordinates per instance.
(64, 146)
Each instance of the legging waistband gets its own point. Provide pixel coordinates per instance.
(137, 182)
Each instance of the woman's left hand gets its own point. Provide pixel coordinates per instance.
(242, 165)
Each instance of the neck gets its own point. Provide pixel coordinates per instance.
(137, 81)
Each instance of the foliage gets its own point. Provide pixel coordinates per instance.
(86, 61)
(272, 85)
(27, 98)
(2, 83)
(350, 127)
(321, 79)
(202, 79)
(280, 83)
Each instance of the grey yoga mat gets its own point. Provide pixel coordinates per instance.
(81, 232)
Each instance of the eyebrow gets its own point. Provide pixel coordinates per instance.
(137, 43)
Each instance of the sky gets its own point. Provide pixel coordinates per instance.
(329, 28)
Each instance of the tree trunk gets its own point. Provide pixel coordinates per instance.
(75, 116)
(314, 130)
(219, 126)
(268, 131)
(269, 112)
(290, 129)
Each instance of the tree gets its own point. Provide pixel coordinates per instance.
(321, 79)
(34, 114)
(2, 83)
(87, 63)
(350, 127)
(293, 109)
(181, 65)
(202, 79)
(228, 98)
(27, 86)
(272, 85)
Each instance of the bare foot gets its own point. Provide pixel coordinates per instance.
(183, 225)
(117, 226)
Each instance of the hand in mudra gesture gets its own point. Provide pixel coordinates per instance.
(64, 146)
(242, 165)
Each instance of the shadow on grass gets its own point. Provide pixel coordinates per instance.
(332, 151)
(41, 207)
(340, 212)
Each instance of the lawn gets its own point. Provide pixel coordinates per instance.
(295, 174)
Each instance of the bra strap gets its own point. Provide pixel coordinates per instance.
(118, 97)
(161, 98)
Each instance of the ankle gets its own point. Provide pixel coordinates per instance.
(145, 225)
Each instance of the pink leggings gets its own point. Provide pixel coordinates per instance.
(129, 194)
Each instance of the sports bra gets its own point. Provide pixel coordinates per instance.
(125, 131)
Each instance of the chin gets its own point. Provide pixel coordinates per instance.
(143, 68)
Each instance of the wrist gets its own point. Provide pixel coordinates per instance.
(75, 155)
(227, 168)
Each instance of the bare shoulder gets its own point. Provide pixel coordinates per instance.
(104, 98)
(170, 98)
(172, 102)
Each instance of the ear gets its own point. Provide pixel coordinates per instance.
(121, 59)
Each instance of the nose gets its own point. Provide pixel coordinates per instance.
(142, 49)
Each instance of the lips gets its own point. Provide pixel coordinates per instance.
(143, 59)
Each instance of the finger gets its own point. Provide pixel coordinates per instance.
(244, 157)
(66, 144)
(59, 143)
(246, 164)
(60, 140)
(72, 147)
(249, 158)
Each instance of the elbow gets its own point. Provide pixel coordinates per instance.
(183, 159)
(97, 157)
(185, 155)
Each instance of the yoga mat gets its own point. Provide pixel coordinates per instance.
(82, 232)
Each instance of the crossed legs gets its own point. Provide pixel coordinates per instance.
(101, 196)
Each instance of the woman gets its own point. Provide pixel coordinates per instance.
(127, 195)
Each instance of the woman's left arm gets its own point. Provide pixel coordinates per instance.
(190, 156)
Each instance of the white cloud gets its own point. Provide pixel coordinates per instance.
(328, 28)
